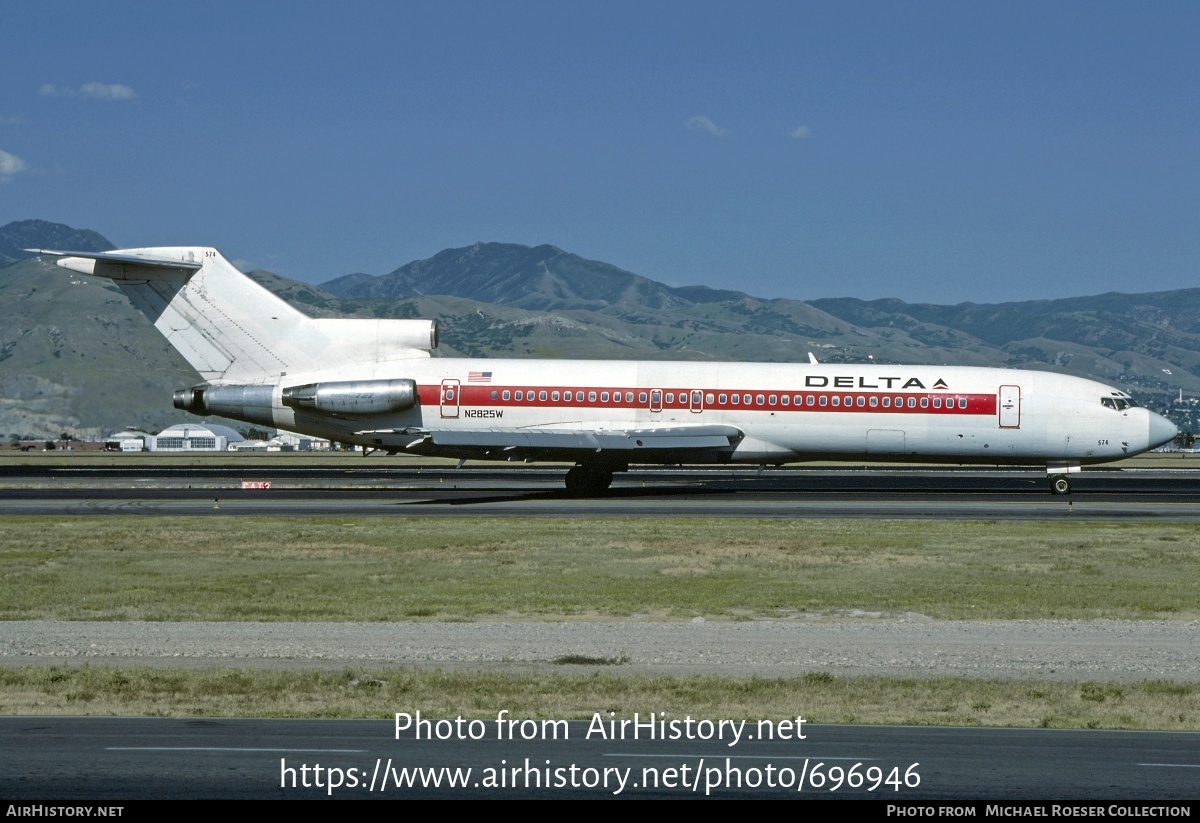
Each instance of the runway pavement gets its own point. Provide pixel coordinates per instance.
(120, 759)
(485, 491)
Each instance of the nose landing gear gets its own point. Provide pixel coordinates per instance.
(1060, 485)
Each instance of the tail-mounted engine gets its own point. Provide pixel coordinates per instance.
(249, 403)
(353, 397)
(349, 398)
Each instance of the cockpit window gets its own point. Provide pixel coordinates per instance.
(1118, 402)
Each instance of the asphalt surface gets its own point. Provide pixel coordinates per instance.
(115, 759)
(877, 493)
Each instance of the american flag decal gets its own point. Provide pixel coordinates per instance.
(479, 377)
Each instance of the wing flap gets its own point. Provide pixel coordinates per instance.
(677, 438)
(632, 440)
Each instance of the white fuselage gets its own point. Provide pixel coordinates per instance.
(788, 412)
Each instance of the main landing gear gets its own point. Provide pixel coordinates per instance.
(1059, 484)
(586, 479)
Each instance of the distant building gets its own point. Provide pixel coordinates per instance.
(193, 437)
(130, 440)
(272, 445)
(302, 442)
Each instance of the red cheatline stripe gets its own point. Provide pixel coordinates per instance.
(639, 398)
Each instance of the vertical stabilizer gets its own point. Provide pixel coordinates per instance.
(229, 328)
(232, 330)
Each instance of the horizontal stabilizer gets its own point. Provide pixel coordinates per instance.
(85, 261)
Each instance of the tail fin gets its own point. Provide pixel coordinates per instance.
(232, 330)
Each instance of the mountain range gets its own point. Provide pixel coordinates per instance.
(75, 357)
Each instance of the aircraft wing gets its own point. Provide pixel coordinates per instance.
(552, 443)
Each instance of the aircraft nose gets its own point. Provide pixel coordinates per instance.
(1162, 430)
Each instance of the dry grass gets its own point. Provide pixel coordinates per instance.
(384, 569)
(819, 698)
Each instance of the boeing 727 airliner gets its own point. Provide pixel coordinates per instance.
(373, 383)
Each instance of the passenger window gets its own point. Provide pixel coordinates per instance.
(628, 397)
(542, 396)
(723, 399)
(506, 394)
(874, 401)
(962, 402)
(824, 400)
(641, 397)
(809, 400)
(554, 396)
(760, 400)
(887, 402)
(603, 397)
(924, 402)
(494, 394)
(591, 397)
(837, 400)
(670, 397)
(783, 401)
(912, 402)
(937, 402)
(860, 402)
(708, 398)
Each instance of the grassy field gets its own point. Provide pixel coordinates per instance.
(381, 569)
(387, 569)
(818, 697)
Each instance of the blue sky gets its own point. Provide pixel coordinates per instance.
(935, 152)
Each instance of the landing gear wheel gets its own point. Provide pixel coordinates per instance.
(585, 480)
(1060, 485)
(577, 480)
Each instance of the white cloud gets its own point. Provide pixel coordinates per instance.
(801, 133)
(96, 91)
(10, 164)
(703, 124)
(107, 91)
